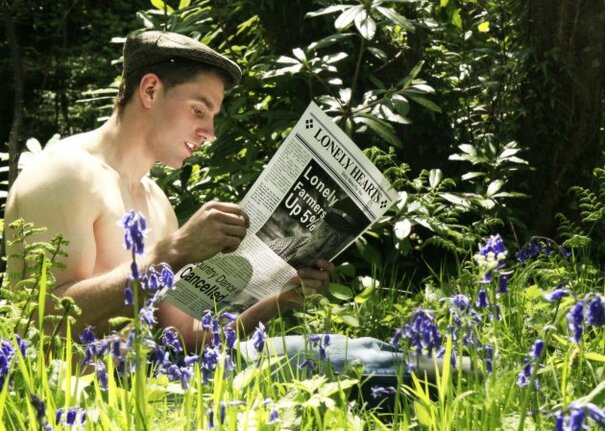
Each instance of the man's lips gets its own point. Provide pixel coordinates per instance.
(191, 146)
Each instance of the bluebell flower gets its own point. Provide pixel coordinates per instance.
(379, 391)
(595, 413)
(191, 359)
(211, 418)
(222, 412)
(309, 364)
(39, 406)
(396, 337)
(565, 252)
(206, 320)
(58, 415)
(259, 337)
(153, 279)
(21, 344)
(489, 358)
(87, 336)
(503, 284)
(577, 420)
(170, 338)
(128, 297)
(70, 417)
(209, 362)
(229, 364)
(230, 337)
(559, 421)
(536, 351)
(273, 417)
(595, 312)
(147, 315)
(575, 319)
(556, 294)
(524, 375)
(422, 333)
(102, 377)
(231, 317)
(482, 299)
(134, 231)
(167, 276)
(462, 302)
(134, 270)
(116, 351)
(215, 330)
(322, 341)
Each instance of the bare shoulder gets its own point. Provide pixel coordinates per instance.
(160, 201)
(63, 173)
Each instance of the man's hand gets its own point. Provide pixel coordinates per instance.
(217, 227)
(313, 281)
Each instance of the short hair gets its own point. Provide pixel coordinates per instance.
(171, 72)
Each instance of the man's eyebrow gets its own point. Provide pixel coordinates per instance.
(205, 100)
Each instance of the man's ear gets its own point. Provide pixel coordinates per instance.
(149, 86)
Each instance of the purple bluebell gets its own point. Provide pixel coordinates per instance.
(21, 344)
(494, 245)
(559, 421)
(222, 412)
(209, 362)
(524, 375)
(87, 336)
(215, 330)
(134, 231)
(309, 364)
(147, 315)
(482, 299)
(422, 333)
(379, 391)
(206, 320)
(259, 337)
(230, 337)
(396, 337)
(170, 339)
(211, 418)
(70, 417)
(595, 413)
(575, 319)
(565, 252)
(58, 415)
(461, 302)
(503, 284)
(191, 359)
(537, 349)
(273, 417)
(231, 317)
(595, 312)
(134, 270)
(102, 377)
(228, 363)
(577, 420)
(128, 297)
(556, 294)
(153, 279)
(39, 406)
(167, 276)
(489, 358)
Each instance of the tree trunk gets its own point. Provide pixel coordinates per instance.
(562, 102)
(13, 140)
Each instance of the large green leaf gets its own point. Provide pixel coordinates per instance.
(382, 128)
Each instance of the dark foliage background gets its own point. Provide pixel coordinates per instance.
(482, 113)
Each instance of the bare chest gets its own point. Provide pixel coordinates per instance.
(117, 200)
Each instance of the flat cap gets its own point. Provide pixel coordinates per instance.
(152, 47)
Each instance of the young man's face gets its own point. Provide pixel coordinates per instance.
(184, 117)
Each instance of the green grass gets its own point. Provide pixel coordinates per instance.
(567, 371)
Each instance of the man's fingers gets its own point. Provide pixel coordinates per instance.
(325, 265)
(236, 231)
(313, 274)
(232, 213)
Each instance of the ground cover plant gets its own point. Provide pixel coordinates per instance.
(436, 93)
(531, 324)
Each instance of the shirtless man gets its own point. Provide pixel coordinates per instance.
(172, 89)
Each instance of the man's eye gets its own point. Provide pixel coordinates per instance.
(197, 112)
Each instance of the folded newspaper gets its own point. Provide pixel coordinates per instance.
(316, 196)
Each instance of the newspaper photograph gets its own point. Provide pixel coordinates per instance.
(316, 196)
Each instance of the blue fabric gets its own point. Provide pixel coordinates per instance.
(377, 357)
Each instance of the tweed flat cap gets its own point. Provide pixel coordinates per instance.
(152, 47)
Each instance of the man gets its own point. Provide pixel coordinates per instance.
(172, 89)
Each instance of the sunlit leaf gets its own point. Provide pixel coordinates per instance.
(366, 25)
(347, 17)
(494, 187)
(327, 10)
(340, 291)
(435, 176)
(483, 27)
(395, 18)
(402, 229)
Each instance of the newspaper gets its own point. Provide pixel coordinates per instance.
(316, 196)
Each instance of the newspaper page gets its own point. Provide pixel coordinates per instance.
(316, 196)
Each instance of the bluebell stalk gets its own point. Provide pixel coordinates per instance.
(575, 319)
